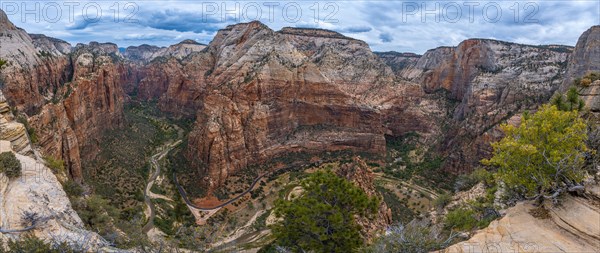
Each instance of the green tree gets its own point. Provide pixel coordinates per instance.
(544, 155)
(571, 102)
(322, 218)
(9, 165)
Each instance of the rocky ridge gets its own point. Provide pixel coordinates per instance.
(37, 192)
(69, 94)
(488, 81)
(146, 53)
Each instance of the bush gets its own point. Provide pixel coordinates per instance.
(442, 201)
(415, 237)
(544, 156)
(461, 219)
(587, 79)
(32, 244)
(466, 182)
(72, 188)
(585, 82)
(56, 165)
(569, 101)
(9, 165)
(2, 62)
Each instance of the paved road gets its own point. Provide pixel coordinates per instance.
(256, 180)
(189, 203)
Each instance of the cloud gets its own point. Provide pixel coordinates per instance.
(386, 37)
(384, 25)
(354, 29)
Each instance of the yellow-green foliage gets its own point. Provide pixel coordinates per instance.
(56, 165)
(544, 152)
(587, 79)
(2, 63)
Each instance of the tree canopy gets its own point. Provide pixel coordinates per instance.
(544, 155)
(321, 219)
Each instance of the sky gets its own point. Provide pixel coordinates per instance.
(403, 26)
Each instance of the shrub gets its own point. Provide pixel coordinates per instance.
(442, 201)
(466, 182)
(72, 188)
(415, 237)
(9, 165)
(31, 244)
(571, 102)
(2, 62)
(56, 165)
(462, 219)
(587, 79)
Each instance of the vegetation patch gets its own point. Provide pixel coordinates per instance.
(10, 165)
(408, 162)
(587, 80)
(540, 213)
(401, 212)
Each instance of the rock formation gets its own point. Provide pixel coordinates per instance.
(12, 131)
(82, 108)
(146, 53)
(70, 95)
(488, 81)
(257, 94)
(361, 175)
(38, 192)
(585, 56)
(399, 61)
(574, 226)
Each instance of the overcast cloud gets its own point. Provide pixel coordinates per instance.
(405, 26)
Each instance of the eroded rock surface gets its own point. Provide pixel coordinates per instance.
(572, 227)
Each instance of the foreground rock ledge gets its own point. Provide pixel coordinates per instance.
(572, 227)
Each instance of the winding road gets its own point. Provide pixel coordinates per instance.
(256, 180)
(189, 203)
(147, 193)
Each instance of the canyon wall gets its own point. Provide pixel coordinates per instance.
(259, 94)
(67, 95)
(488, 82)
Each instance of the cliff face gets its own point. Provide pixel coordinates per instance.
(489, 81)
(257, 94)
(399, 61)
(30, 74)
(585, 56)
(585, 59)
(70, 95)
(39, 192)
(146, 53)
(81, 109)
(12, 131)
